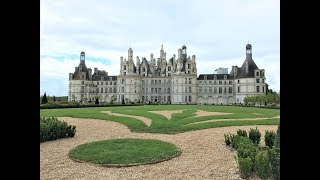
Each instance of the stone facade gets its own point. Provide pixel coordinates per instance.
(167, 81)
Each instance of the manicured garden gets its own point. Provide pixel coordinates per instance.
(124, 152)
(180, 122)
(51, 129)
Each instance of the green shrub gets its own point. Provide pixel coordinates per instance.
(277, 138)
(255, 135)
(247, 149)
(274, 156)
(245, 167)
(51, 129)
(262, 166)
(269, 138)
(242, 133)
(234, 141)
(227, 139)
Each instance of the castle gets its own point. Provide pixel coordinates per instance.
(167, 81)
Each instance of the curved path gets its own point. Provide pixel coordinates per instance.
(167, 113)
(147, 121)
(204, 154)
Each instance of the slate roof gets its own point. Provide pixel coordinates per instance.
(211, 76)
(251, 65)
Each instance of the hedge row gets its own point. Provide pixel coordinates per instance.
(78, 105)
(252, 159)
(51, 129)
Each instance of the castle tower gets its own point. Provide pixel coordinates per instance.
(82, 57)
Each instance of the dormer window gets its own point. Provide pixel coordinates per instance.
(110, 78)
(225, 77)
(257, 73)
(205, 77)
(215, 77)
(101, 78)
(124, 67)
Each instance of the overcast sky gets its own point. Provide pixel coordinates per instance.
(215, 31)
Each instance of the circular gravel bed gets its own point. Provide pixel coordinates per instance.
(124, 152)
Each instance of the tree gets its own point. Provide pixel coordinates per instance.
(97, 101)
(54, 98)
(44, 99)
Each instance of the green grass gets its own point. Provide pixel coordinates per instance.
(125, 152)
(178, 123)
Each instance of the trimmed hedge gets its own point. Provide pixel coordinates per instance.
(269, 138)
(255, 135)
(227, 139)
(242, 133)
(52, 129)
(262, 167)
(245, 167)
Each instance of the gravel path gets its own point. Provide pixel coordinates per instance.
(167, 114)
(204, 154)
(239, 119)
(201, 113)
(147, 121)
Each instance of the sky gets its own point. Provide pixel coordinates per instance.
(215, 31)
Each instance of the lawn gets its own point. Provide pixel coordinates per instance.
(180, 122)
(125, 152)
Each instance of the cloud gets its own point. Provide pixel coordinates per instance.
(215, 31)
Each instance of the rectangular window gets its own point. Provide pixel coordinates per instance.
(205, 90)
(169, 68)
(110, 90)
(220, 90)
(189, 66)
(220, 82)
(82, 87)
(258, 80)
(238, 89)
(225, 82)
(238, 81)
(225, 90)
(210, 89)
(214, 90)
(185, 89)
(230, 89)
(97, 90)
(230, 82)
(159, 82)
(122, 81)
(97, 83)
(105, 89)
(189, 80)
(214, 82)
(151, 90)
(168, 90)
(144, 69)
(258, 88)
(101, 90)
(142, 98)
(155, 82)
(82, 76)
(82, 82)
(169, 74)
(101, 83)
(185, 81)
(156, 89)
(189, 98)
(189, 89)
(124, 73)
(159, 90)
(143, 90)
(114, 83)
(110, 83)
(114, 90)
(186, 99)
(257, 73)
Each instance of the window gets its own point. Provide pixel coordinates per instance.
(151, 90)
(101, 83)
(189, 89)
(82, 76)
(258, 88)
(142, 82)
(210, 89)
(110, 90)
(152, 82)
(114, 83)
(214, 82)
(188, 72)
(168, 90)
(97, 90)
(159, 90)
(205, 90)
(220, 90)
(220, 82)
(155, 82)
(258, 80)
(142, 98)
(262, 74)
(122, 81)
(169, 74)
(185, 81)
(105, 89)
(215, 77)
(225, 82)
(262, 80)
(107, 83)
(214, 90)
(238, 89)
(200, 89)
(114, 90)
(110, 83)
(225, 90)
(230, 82)
(169, 68)
(156, 90)
(185, 89)
(159, 82)
(82, 82)
(143, 69)
(189, 98)
(189, 80)
(124, 73)
(189, 66)
(238, 81)
(225, 77)
(124, 67)
(257, 73)
(205, 77)
(186, 99)
(230, 89)
(82, 87)
(97, 83)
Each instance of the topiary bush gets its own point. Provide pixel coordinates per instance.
(255, 135)
(234, 141)
(274, 156)
(247, 149)
(242, 133)
(245, 167)
(269, 138)
(227, 139)
(51, 129)
(262, 166)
